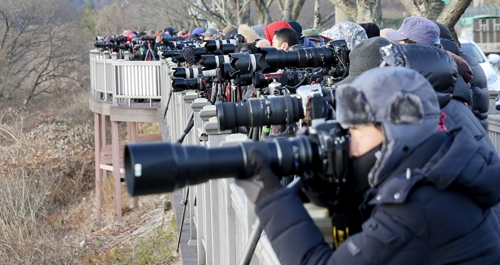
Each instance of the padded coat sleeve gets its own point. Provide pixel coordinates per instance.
(297, 240)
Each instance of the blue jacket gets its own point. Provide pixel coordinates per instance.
(306, 43)
(438, 213)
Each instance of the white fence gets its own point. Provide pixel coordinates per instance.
(222, 219)
(124, 82)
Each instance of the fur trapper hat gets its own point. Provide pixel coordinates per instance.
(401, 100)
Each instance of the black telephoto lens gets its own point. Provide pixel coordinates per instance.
(228, 48)
(259, 112)
(186, 72)
(181, 84)
(175, 55)
(272, 59)
(152, 168)
(245, 63)
(226, 71)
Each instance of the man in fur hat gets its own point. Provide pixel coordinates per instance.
(429, 193)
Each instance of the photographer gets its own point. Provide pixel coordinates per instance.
(431, 191)
(285, 38)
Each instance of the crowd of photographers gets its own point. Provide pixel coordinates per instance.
(423, 177)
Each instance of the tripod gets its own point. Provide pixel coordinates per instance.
(257, 230)
(184, 201)
(149, 53)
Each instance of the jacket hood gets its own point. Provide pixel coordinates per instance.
(476, 172)
(248, 33)
(399, 99)
(434, 64)
(273, 27)
(352, 33)
(450, 45)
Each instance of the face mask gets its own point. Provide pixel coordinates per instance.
(359, 168)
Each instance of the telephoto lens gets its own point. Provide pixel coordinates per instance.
(152, 168)
(245, 63)
(212, 45)
(192, 72)
(257, 112)
(213, 61)
(181, 84)
(176, 55)
(272, 59)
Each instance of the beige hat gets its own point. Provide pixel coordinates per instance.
(227, 29)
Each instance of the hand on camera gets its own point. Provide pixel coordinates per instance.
(263, 183)
(189, 56)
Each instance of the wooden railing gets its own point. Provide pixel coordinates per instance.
(221, 220)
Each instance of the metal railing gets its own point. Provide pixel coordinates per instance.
(222, 219)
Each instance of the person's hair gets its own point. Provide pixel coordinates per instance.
(247, 46)
(408, 41)
(287, 35)
(262, 43)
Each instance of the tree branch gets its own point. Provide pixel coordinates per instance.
(323, 21)
(297, 7)
(212, 16)
(242, 8)
(452, 11)
(347, 6)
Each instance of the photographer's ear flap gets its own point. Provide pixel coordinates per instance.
(352, 107)
(406, 108)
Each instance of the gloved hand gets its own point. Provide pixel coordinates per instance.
(189, 56)
(263, 183)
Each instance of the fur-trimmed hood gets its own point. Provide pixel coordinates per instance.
(399, 99)
(248, 33)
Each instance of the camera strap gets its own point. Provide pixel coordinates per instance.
(340, 228)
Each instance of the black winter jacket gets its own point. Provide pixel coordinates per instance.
(436, 214)
(458, 115)
(440, 70)
(480, 92)
(478, 97)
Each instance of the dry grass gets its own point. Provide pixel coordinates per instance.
(47, 198)
(41, 171)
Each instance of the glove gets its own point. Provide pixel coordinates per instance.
(263, 183)
(189, 56)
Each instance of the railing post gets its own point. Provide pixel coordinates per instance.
(196, 106)
(126, 55)
(188, 99)
(493, 96)
(105, 57)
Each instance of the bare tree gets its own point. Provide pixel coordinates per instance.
(362, 10)
(222, 12)
(36, 49)
(452, 12)
(290, 9)
(262, 9)
(424, 8)
(318, 20)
